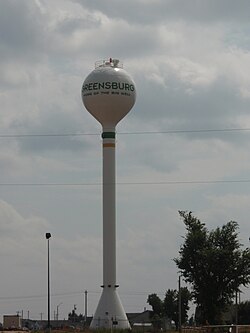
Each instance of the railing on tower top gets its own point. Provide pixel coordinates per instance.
(109, 63)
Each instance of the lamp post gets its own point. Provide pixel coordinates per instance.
(48, 235)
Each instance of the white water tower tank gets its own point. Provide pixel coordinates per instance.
(108, 92)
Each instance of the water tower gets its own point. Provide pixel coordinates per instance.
(108, 93)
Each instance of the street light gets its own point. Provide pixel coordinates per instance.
(48, 235)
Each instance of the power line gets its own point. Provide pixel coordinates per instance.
(189, 131)
(127, 183)
(171, 182)
(72, 293)
(42, 296)
(176, 131)
(45, 135)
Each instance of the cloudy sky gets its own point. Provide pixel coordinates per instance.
(184, 146)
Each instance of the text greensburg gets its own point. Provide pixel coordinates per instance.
(108, 85)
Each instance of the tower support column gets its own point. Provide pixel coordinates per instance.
(109, 312)
(109, 211)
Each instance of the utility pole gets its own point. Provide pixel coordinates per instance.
(179, 302)
(57, 313)
(236, 308)
(86, 306)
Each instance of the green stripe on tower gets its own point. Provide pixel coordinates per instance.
(108, 135)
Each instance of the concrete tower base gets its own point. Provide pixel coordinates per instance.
(110, 312)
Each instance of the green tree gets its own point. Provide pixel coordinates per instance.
(74, 317)
(156, 304)
(214, 263)
(243, 313)
(169, 308)
(171, 305)
(186, 296)
(157, 307)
